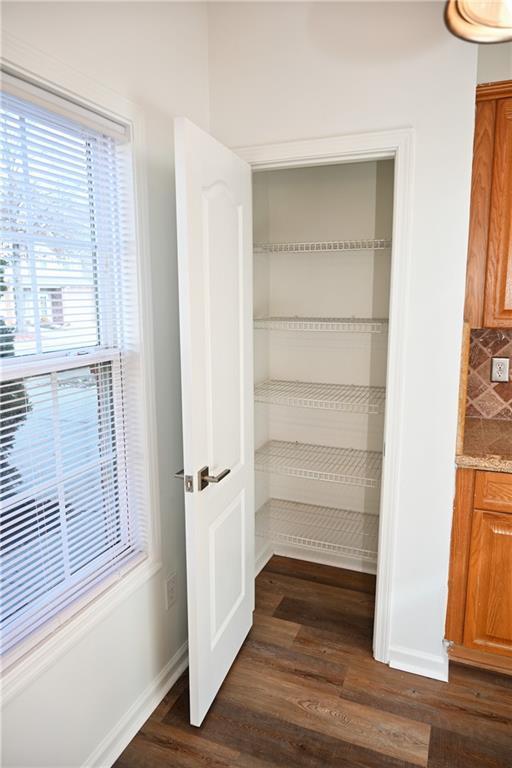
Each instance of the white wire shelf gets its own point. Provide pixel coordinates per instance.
(324, 529)
(349, 466)
(339, 324)
(321, 246)
(330, 397)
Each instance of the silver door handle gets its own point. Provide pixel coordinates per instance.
(216, 478)
(204, 479)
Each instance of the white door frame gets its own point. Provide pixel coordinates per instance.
(399, 146)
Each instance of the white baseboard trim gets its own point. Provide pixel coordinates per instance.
(262, 558)
(109, 749)
(325, 558)
(425, 664)
(301, 553)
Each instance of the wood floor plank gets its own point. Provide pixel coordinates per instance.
(265, 656)
(343, 647)
(161, 746)
(454, 706)
(268, 629)
(451, 750)
(268, 598)
(352, 629)
(337, 598)
(482, 678)
(322, 574)
(171, 697)
(315, 708)
(276, 742)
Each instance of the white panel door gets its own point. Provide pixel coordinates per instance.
(213, 197)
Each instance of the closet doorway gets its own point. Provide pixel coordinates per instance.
(328, 325)
(312, 201)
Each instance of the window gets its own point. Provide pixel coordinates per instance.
(69, 450)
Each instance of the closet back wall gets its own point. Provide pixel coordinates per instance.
(285, 71)
(330, 202)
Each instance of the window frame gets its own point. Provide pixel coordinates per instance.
(45, 645)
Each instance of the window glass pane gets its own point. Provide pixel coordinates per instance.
(49, 268)
(28, 440)
(32, 553)
(61, 505)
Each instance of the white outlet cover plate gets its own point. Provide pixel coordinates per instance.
(500, 369)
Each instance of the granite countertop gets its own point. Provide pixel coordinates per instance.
(487, 445)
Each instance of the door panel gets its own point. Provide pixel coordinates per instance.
(227, 588)
(488, 623)
(213, 196)
(223, 269)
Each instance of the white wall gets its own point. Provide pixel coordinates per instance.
(494, 62)
(155, 55)
(296, 70)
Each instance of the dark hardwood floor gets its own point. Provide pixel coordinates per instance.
(305, 691)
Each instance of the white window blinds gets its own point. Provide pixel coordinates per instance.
(70, 452)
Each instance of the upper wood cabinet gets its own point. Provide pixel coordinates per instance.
(498, 285)
(489, 273)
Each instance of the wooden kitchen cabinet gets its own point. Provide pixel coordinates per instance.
(488, 619)
(479, 612)
(488, 624)
(480, 604)
(498, 284)
(489, 272)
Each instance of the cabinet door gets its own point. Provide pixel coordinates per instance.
(488, 624)
(498, 289)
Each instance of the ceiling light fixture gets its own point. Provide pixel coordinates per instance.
(480, 22)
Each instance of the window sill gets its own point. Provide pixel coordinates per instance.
(20, 670)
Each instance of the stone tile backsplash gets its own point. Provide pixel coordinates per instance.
(485, 399)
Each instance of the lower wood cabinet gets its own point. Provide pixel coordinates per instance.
(488, 620)
(480, 590)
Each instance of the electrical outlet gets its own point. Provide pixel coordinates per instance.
(170, 590)
(500, 369)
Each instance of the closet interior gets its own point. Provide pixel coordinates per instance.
(322, 260)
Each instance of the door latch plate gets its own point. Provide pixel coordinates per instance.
(188, 480)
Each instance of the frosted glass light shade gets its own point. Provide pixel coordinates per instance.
(480, 22)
